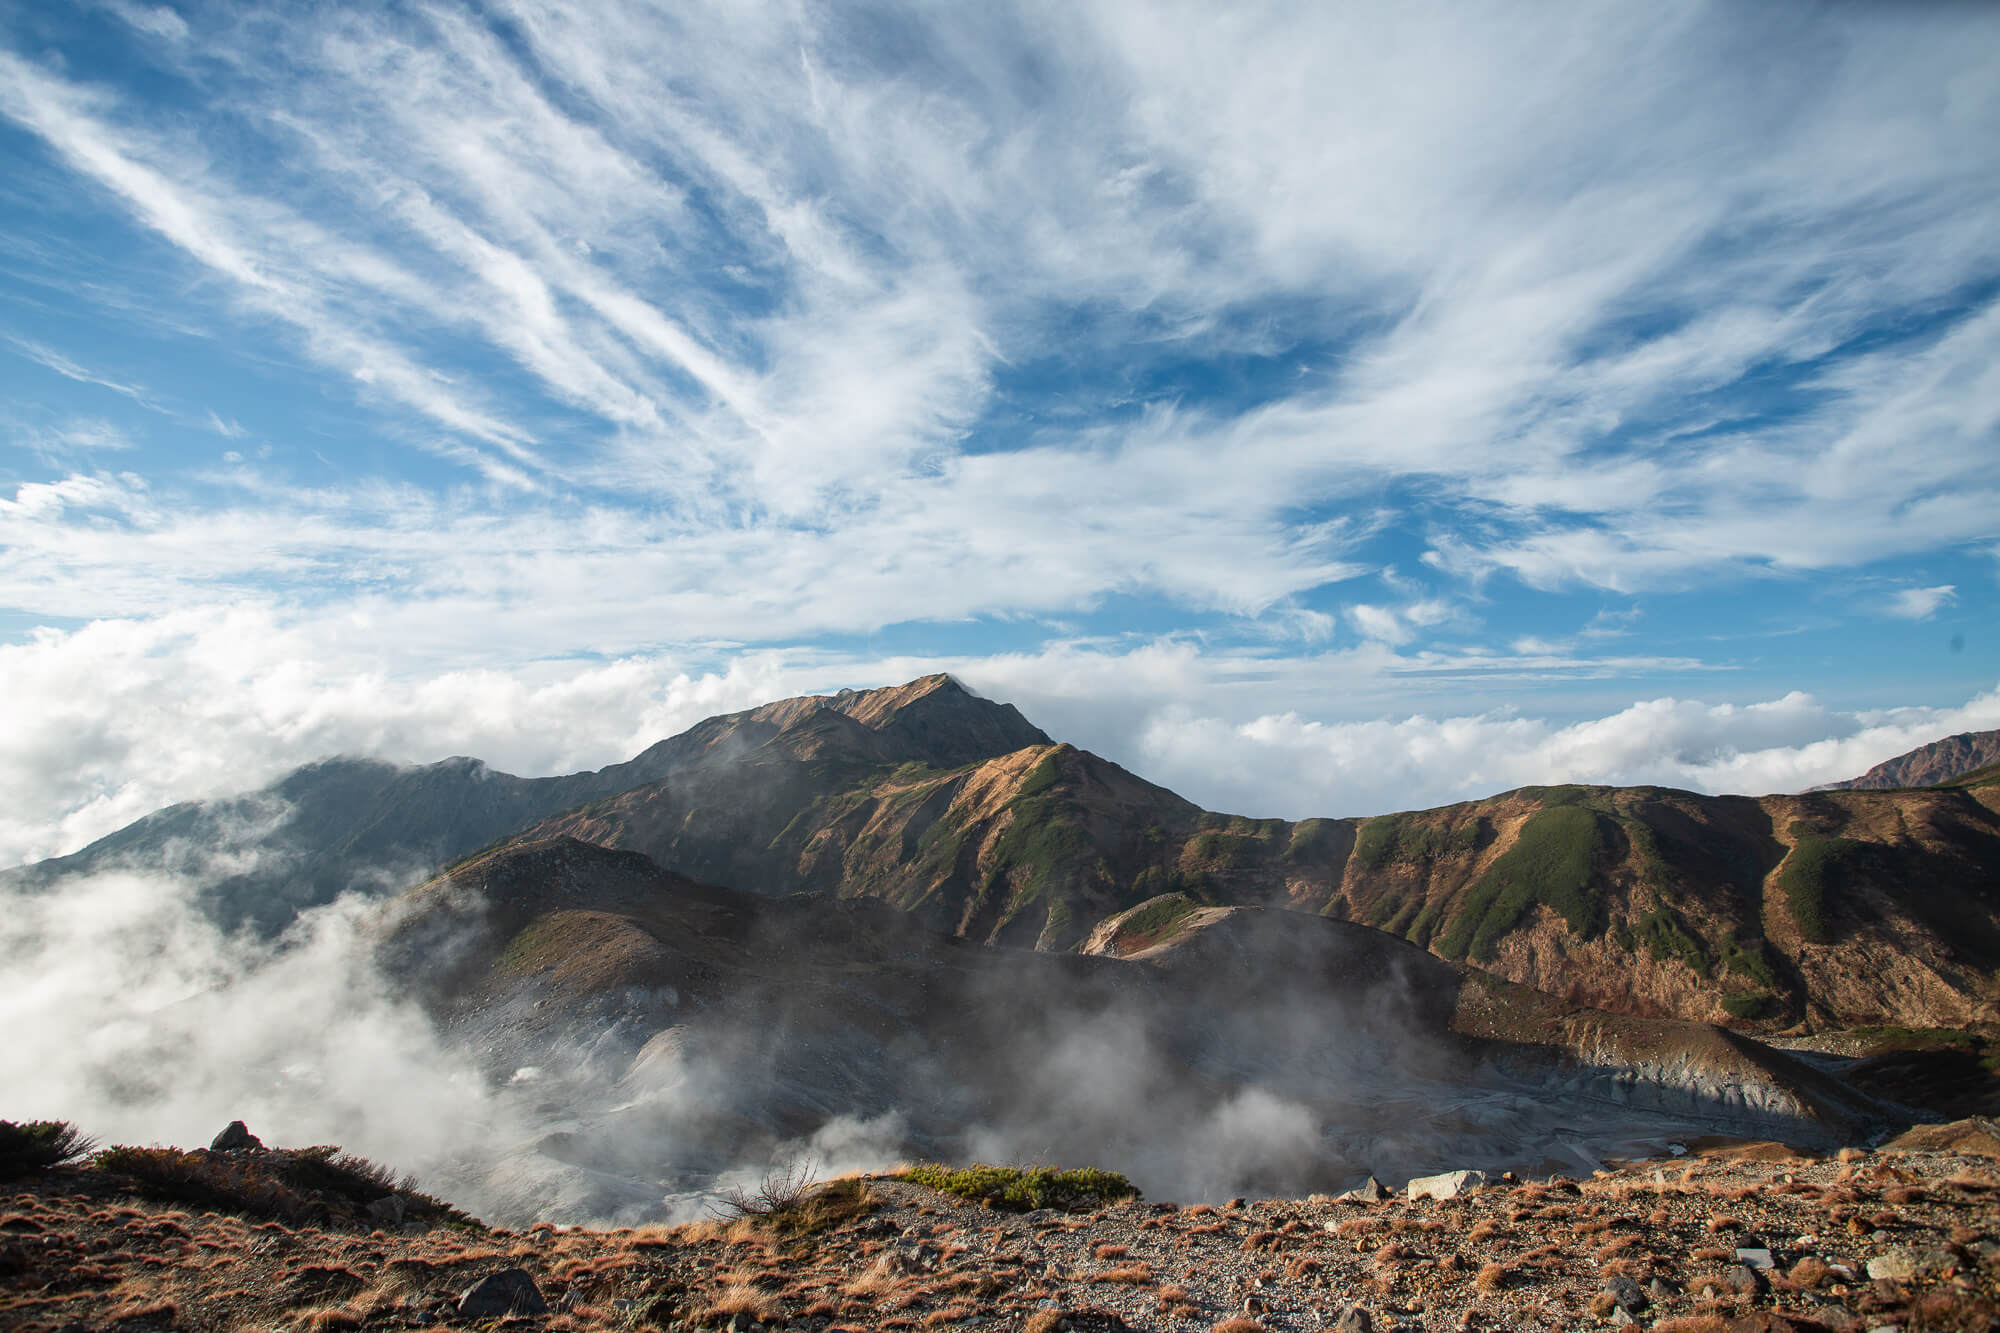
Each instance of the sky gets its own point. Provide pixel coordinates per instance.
(1316, 409)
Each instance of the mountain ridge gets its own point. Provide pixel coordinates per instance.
(1942, 761)
(1824, 909)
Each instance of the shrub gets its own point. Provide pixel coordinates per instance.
(1020, 1189)
(1746, 1006)
(792, 1202)
(310, 1184)
(37, 1145)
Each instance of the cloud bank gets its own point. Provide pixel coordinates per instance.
(214, 702)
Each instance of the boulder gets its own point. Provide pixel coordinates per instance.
(1628, 1294)
(236, 1137)
(1902, 1263)
(508, 1292)
(1370, 1191)
(1354, 1320)
(1447, 1186)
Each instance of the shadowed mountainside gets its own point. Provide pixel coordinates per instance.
(351, 824)
(1257, 1049)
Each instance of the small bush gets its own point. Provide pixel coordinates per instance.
(320, 1184)
(1746, 1006)
(1018, 1189)
(37, 1145)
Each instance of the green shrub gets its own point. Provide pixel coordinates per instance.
(1664, 936)
(37, 1145)
(1749, 963)
(1153, 921)
(1748, 1005)
(1019, 1189)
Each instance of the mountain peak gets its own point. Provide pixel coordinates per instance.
(938, 721)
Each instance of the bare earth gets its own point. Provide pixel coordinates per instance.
(76, 1255)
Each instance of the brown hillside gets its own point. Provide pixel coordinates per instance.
(1929, 765)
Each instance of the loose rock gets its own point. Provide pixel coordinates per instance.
(511, 1291)
(236, 1137)
(1447, 1186)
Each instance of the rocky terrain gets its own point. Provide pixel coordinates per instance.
(1723, 1236)
(1812, 912)
(1941, 761)
(676, 1029)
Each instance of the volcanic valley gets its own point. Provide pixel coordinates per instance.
(887, 1010)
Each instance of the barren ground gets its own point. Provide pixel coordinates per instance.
(78, 1252)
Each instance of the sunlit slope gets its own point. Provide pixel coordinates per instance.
(1845, 907)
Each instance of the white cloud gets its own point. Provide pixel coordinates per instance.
(1922, 603)
(121, 717)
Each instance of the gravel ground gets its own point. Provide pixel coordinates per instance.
(1735, 1237)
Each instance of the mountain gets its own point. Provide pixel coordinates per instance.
(1928, 765)
(1836, 908)
(1828, 909)
(352, 824)
(670, 1029)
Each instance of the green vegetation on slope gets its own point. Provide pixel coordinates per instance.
(1401, 838)
(1550, 863)
(1022, 1189)
(1814, 863)
(1151, 922)
(1663, 935)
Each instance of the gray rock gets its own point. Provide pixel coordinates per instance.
(1743, 1280)
(1621, 1317)
(507, 1292)
(1838, 1319)
(1661, 1290)
(1629, 1294)
(1904, 1263)
(1354, 1319)
(1369, 1192)
(390, 1208)
(1447, 1186)
(1751, 1256)
(235, 1138)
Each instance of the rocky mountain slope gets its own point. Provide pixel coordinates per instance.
(1929, 765)
(1827, 909)
(1834, 908)
(351, 824)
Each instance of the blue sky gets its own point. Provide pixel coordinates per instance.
(1317, 409)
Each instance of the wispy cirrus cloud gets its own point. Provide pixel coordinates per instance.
(988, 333)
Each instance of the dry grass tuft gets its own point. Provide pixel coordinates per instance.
(739, 1298)
(1492, 1278)
(1725, 1222)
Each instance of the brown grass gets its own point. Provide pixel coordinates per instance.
(1725, 1222)
(1237, 1324)
(1492, 1278)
